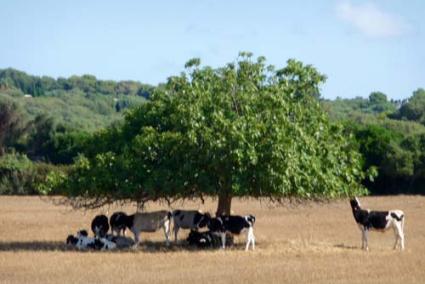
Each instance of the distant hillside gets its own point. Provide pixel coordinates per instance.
(80, 102)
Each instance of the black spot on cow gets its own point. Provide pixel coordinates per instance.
(205, 218)
(197, 218)
(397, 217)
(376, 220)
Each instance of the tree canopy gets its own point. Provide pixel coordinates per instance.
(245, 129)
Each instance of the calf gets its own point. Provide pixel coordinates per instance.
(100, 226)
(380, 221)
(189, 219)
(118, 223)
(234, 225)
(149, 222)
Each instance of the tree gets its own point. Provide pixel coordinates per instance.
(12, 126)
(41, 137)
(245, 129)
(378, 103)
(414, 109)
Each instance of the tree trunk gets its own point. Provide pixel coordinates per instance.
(224, 204)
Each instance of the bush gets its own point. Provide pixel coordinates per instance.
(20, 176)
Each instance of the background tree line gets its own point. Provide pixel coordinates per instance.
(390, 135)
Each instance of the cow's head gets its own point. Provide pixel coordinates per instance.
(71, 240)
(355, 204)
(82, 233)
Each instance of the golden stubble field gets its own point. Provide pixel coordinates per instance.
(314, 243)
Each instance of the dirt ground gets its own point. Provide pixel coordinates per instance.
(313, 243)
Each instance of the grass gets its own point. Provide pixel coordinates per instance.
(314, 243)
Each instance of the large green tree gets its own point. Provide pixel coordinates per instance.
(245, 129)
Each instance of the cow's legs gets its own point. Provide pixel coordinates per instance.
(399, 236)
(250, 238)
(167, 231)
(176, 231)
(365, 240)
(223, 240)
(136, 239)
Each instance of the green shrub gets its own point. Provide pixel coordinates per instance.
(20, 176)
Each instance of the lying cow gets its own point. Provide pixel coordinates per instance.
(84, 242)
(206, 239)
(380, 221)
(121, 241)
(233, 225)
(189, 219)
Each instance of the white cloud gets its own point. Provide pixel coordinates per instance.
(371, 20)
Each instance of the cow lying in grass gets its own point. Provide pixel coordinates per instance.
(234, 225)
(206, 240)
(380, 221)
(83, 242)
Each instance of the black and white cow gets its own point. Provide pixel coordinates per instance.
(118, 222)
(100, 226)
(234, 225)
(189, 219)
(380, 221)
(204, 239)
(121, 241)
(149, 222)
(83, 242)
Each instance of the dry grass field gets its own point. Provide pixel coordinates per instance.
(315, 243)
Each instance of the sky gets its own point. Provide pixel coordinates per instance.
(361, 45)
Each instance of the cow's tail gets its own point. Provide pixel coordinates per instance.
(402, 223)
(397, 217)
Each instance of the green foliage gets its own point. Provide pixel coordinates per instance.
(414, 109)
(239, 130)
(88, 84)
(79, 102)
(18, 175)
(376, 104)
(12, 126)
(395, 148)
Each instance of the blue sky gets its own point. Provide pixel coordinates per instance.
(362, 46)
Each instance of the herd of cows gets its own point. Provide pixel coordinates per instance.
(119, 222)
(218, 228)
